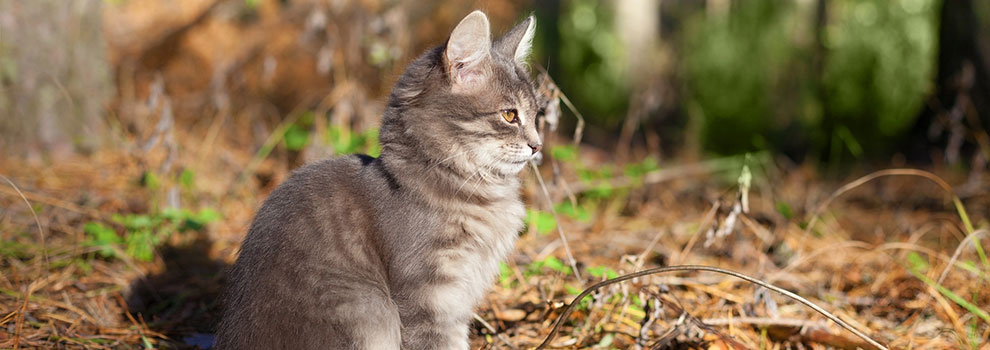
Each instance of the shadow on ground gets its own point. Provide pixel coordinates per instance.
(182, 301)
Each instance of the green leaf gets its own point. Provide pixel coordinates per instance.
(102, 237)
(917, 263)
(551, 263)
(599, 271)
(198, 221)
(147, 343)
(584, 302)
(174, 214)
(141, 245)
(578, 213)
(637, 170)
(296, 137)
(784, 209)
(150, 180)
(371, 146)
(543, 221)
(571, 290)
(556, 265)
(187, 179)
(965, 304)
(504, 273)
(565, 154)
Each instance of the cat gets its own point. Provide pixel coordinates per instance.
(395, 252)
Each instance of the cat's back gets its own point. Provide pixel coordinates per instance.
(345, 181)
(330, 203)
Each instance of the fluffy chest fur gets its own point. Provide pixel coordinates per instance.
(485, 235)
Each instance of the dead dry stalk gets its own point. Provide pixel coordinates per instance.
(659, 270)
(560, 230)
(893, 172)
(41, 232)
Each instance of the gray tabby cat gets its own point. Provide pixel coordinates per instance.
(395, 252)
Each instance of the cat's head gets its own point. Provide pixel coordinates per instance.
(468, 105)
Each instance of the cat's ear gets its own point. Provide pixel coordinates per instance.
(518, 42)
(469, 45)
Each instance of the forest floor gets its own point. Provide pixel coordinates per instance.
(91, 259)
(127, 247)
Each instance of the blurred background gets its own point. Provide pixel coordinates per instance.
(138, 137)
(830, 82)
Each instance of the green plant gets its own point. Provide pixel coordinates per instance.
(296, 135)
(584, 303)
(543, 222)
(918, 266)
(880, 60)
(603, 272)
(599, 181)
(550, 263)
(347, 141)
(564, 153)
(592, 61)
(142, 233)
(636, 171)
(577, 212)
(505, 275)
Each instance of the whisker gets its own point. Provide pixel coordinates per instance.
(437, 163)
(490, 167)
(478, 172)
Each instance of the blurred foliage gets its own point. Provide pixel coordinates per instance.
(749, 72)
(880, 61)
(734, 63)
(760, 75)
(591, 57)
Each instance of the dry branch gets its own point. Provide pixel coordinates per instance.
(659, 270)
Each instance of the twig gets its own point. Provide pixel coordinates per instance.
(955, 255)
(763, 321)
(570, 307)
(817, 332)
(498, 335)
(56, 203)
(19, 319)
(641, 259)
(560, 230)
(41, 232)
(892, 172)
(579, 128)
(671, 302)
(709, 216)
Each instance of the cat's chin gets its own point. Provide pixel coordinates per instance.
(513, 168)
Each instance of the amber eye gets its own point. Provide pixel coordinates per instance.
(509, 115)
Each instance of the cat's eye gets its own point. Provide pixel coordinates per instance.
(509, 115)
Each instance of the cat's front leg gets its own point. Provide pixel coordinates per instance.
(433, 335)
(438, 320)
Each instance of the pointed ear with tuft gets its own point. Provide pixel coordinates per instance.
(518, 42)
(469, 45)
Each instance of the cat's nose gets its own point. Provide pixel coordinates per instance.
(536, 147)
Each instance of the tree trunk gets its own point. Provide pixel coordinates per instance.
(53, 77)
(953, 125)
